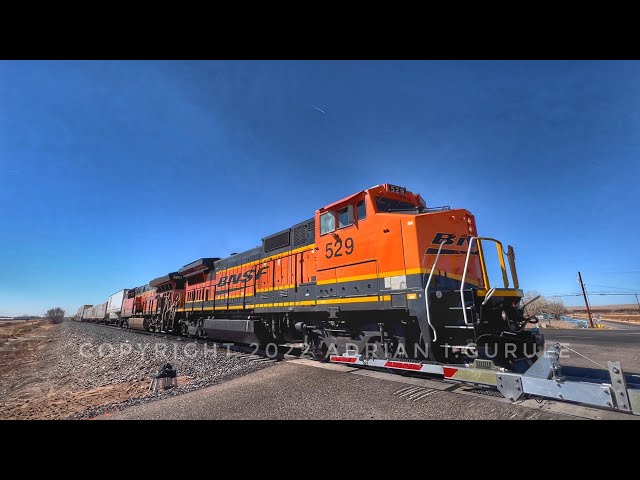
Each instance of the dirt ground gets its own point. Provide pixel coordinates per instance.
(75, 370)
(27, 394)
(622, 317)
(625, 313)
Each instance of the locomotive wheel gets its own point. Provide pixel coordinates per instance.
(320, 353)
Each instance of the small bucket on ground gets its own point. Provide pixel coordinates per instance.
(164, 379)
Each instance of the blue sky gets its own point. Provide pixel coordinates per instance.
(116, 172)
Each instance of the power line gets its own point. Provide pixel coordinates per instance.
(590, 293)
(615, 271)
(616, 293)
(609, 286)
(563, 295)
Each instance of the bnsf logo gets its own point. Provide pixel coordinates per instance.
(449, 239)
(246, 277)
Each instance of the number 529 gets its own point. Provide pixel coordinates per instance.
(330, 252)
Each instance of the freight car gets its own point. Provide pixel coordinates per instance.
(377, 273)
(80, 313)
(114, 307)
(107, 312)
(96, 313)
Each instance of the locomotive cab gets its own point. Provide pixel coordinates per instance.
(426, 269)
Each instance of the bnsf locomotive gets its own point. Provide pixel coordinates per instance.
(377, 272)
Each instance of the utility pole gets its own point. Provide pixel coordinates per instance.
(586, 302)
(637, 301)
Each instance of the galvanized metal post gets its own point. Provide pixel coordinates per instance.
(586, 302)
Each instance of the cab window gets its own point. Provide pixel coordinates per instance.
(362, 212)
(327, 223)
(345, 216)
(390, 205)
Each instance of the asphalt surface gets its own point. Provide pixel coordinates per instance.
(596, 337)
(599, 345)
(621, 325)
(301, 389)
(298, 390)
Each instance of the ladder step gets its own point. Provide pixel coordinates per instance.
(459, 326)
(460, 308)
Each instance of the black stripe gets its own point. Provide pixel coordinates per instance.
(445, 251)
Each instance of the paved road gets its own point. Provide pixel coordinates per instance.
(621, 325)
(299, 390)
(599, 345)
(616, 325)
(595, 337)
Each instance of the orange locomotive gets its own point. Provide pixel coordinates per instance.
(377, 272)
(154, 306)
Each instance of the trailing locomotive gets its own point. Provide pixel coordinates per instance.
(377, 272)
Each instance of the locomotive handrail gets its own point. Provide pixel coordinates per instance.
(426, 294)
(488, 296)
(505, 279)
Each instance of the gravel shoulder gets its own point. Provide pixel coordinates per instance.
(78, 370)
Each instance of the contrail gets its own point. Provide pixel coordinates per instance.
(320, 110)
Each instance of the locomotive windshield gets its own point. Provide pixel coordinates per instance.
(390, 205)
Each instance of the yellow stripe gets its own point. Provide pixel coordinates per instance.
(503, 292)
(347, 279)
(414, 271)
(281, 287)
(373, 298)
(258, 290)
(269, 258)
(235, 295)
(306, 302)
(394, 273)
(354, 300)
(370, 276)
